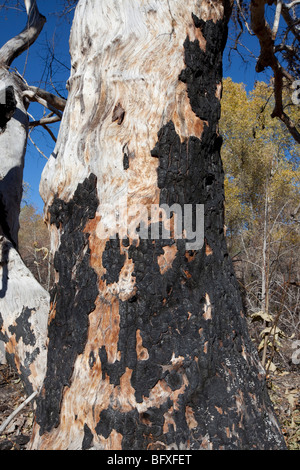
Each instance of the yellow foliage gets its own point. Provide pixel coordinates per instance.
(259, 159)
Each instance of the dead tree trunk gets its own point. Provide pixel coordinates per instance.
(148, 344)
(24, 304)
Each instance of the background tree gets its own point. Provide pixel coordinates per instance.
(23, 302)
(261, 163)
(34, 246)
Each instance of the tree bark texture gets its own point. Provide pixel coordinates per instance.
(24, 304)
(148, 344)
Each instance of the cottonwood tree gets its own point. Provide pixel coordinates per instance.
(261, 168)
(147, 343)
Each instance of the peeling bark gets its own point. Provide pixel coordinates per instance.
(148, 344)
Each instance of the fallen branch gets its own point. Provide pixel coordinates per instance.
(17, 411)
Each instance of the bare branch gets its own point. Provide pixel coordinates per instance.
(290, 22)
(38, 149)
(44, 121)
(268, 58)
(17, 411)
(58, 102)
(290, 125)
(33, 96)
(277, 19)
(292, 4)
(20, 43)
(49, 132)
(244, 18)
(263, 32)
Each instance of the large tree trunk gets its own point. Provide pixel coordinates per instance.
(148, 344)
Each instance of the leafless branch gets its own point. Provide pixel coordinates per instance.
(292, 24)
(17, 411)
(38, 149)
(292, 4)
(268, 58)
(33, 96)
(57, 102)
(44, 121)
(277, 19)
(49, 132)
(244, 17)
(20, 43)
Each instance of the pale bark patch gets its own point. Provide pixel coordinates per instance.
(165, 261)
(207, 308)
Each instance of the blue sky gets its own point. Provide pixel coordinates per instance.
(55, 35)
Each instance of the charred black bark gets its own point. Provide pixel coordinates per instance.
(4, 262)
(112, 261)
(73, 297)
(88, 438)
(216, 375)
(8, 104)
(22, 328)
(204, 71)
(10, 200)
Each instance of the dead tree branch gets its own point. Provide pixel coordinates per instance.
(267, 58)
(57, 102)
(20, 43)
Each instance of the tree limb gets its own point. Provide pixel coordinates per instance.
(58, 102)
(38, 149)
(289, 21)
(277, 19)
(244, 18)
(33, 96)
(49, 132)
(20, 43)
(267, 58)
(292, 4)
(44, 121)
